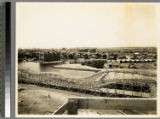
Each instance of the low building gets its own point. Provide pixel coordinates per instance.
(112, 64)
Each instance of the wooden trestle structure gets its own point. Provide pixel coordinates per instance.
(141, 85)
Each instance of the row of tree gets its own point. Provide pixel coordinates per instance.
(64, 54)
(94, 63)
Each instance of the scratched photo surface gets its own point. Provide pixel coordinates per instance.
(86, 59)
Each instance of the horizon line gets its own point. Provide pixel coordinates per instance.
(96, 47)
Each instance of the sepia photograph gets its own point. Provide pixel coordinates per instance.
(86, 59)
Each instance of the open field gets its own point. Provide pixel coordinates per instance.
(39, 100)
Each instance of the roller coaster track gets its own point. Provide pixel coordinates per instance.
(99, 82)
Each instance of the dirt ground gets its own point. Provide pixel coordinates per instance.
(40, 100)
(36, 100)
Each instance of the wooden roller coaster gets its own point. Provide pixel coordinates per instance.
(109, 83)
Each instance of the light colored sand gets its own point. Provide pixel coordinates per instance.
(75, 66)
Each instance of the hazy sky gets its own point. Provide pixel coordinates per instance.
(56, 25)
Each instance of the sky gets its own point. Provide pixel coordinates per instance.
(68, 25)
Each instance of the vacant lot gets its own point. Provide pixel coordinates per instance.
(39, 100)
